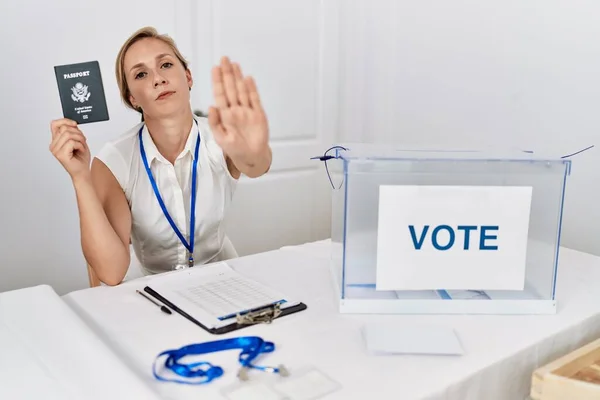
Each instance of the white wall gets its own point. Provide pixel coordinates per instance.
(291, 49)
(39, 233)
(465, 72)
(285, 49)
(462, 72)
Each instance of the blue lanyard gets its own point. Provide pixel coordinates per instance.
(189, 246)
(204, 372)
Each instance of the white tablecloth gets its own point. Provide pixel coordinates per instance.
(47, 352)
(500, 351)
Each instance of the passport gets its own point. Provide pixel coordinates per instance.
(82, 92)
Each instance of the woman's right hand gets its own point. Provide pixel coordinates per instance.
(69, 146)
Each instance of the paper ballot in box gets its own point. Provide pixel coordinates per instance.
(417, 231)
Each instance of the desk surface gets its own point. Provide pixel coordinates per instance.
(47, 352)
(500, 351)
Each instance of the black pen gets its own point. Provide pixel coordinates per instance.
(162, 308)
(178, 310)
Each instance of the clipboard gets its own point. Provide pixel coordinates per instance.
(264, 315)
(212, 296)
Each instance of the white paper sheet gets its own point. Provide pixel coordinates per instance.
(214, 294)
(395, 338)
(452, 237)
(48, 352)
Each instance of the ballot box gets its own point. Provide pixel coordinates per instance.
(445, 231)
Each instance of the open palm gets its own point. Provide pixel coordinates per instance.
(238, 121)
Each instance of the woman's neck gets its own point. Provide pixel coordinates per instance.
(170, 134)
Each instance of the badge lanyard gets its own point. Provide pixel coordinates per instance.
(189, 246)
(201, 372)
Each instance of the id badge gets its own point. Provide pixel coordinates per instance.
(308, 383)
(257, 390)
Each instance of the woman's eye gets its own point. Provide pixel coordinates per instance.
(167, 65)
(139, 75)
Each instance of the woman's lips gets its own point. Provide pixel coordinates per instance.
(165, 95)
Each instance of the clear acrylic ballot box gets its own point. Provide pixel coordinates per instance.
(445, 232)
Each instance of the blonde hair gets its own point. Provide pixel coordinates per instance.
(143, 33)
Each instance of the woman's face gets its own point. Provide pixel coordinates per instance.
(157, 81)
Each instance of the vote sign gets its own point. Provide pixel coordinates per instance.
(452, 237)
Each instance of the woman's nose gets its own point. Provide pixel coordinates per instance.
(159, 80)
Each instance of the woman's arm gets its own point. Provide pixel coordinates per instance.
(252, 168)
(105, 221)
(104, 214)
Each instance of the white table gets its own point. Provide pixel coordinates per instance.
(501, 351)
(47, 352)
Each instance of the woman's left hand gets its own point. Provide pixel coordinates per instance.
(238, 121)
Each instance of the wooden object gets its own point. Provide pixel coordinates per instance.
(575, 376)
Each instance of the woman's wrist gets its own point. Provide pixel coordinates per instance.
(254, 165)
(82, 178)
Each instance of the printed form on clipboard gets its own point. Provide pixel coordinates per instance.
(214, 295)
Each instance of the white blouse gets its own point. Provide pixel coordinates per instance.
(154, 241)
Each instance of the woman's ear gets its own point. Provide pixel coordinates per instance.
(133, 103)
(190, 80)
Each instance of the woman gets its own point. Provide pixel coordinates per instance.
(171, 175)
